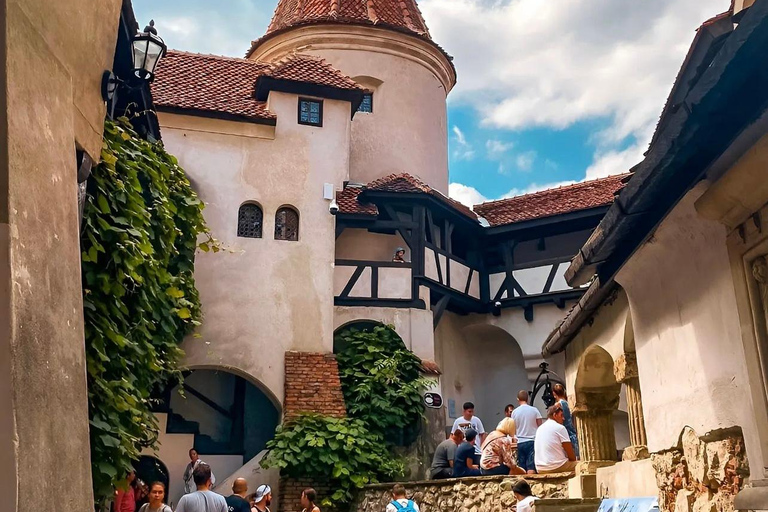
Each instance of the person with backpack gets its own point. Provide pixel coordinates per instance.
(156, 499)
(400, 502)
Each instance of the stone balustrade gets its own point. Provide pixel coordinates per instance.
(478, 494)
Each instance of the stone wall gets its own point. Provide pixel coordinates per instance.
(312, 385)
(481, 494)
(702, 474)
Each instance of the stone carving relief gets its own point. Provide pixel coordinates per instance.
(760, 273)
(702, 474)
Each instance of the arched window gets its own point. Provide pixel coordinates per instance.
(287, 224)
(249, 221)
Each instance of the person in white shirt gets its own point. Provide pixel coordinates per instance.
(470, 421)
(527, 420)
(194, 459)
(554, 452)
(524, 496)
(400, 502)
(203, 499)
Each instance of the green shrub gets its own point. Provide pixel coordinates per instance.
(141, 224)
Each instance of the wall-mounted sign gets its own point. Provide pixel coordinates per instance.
(433, 400)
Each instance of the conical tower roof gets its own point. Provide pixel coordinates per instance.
(398, 14)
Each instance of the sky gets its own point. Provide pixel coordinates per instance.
(549, 92)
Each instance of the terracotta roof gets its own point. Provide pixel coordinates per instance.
(556, 201)
(209, 83)
(349, 203)
(403, 14)
(226, 85)
(430, 367)
(309, 69)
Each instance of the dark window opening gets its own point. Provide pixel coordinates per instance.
(310, 112)
(287, 224)
(367, 104)
(249, 221)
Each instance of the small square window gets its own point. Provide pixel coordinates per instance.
(310, 112)
(367, 104)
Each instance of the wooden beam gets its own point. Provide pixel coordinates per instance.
(528, 312)
(352, 281)
(375, 282)
(439, 310)
(551, 278)
(469, 281)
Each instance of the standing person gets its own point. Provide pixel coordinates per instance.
(465, 464)
(203, 499)
(400, 502)
(442, 462)
(524, 496)
(554, 452)
(308, 497)
(237, 502)
(527, 419)
(559, 391)
(156, 499)
(125, 500)
(508, 410)
(470, 421)
(194, 459)
(262, 498)
(499, 449)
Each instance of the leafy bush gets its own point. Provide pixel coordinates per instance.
(141, 225)
(382, 382)
(340, 451)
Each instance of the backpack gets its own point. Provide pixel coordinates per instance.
(409, 507)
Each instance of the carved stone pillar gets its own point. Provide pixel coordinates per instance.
(626, 373)
(597, 439)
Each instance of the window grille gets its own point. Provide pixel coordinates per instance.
(367, 104)
(249, 221)
(310, 112)
(287, 224)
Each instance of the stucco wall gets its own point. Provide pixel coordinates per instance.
(689, 351)
(410, 79)
(51, 87)
(262, 297)
(359, 244)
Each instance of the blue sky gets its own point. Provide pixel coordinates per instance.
(549, 93)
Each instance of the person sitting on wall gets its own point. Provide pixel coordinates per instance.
(500, 450)
(469, 421)
(442, 462)
(399, 256)
(524, 496)
(559, 391)
(527, 419)
(400, 502)
(554, 452)
(465, 463)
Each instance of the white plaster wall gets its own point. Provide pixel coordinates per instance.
(689, 350)
(262, 297)
(407, 131)
(360, 244)
(395, 283)
(414, 326)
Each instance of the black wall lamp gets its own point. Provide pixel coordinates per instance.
(148, 48)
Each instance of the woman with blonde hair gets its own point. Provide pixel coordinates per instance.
(499, 451)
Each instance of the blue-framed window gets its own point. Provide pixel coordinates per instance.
(310, 112)
(367, 104)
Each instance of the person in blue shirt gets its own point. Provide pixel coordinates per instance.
(559, 391)
(466, 463)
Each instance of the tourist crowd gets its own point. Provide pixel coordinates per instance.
(523, 442)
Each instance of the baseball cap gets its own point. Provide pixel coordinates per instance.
(261, 491)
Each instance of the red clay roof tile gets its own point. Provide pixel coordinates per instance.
(556, 201)
(216, 84)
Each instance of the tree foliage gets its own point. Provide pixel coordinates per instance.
(381, 381)
(141, 226)
(340, 451)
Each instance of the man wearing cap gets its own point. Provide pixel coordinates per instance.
(263, 498)
(237, 502)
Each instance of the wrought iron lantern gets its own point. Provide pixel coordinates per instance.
(148, 48)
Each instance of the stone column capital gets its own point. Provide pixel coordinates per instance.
(625, 367)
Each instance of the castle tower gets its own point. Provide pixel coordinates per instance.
(385, 46)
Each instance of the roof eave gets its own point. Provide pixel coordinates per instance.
(265, 84)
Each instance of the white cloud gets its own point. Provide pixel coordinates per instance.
(463, 150)
(497, 149)
(526, 160)
(466, 195)
(528, 63)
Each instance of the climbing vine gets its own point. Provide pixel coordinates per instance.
(382, 385)
(141, 225)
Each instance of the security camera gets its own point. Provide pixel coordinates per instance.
(333, 207)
